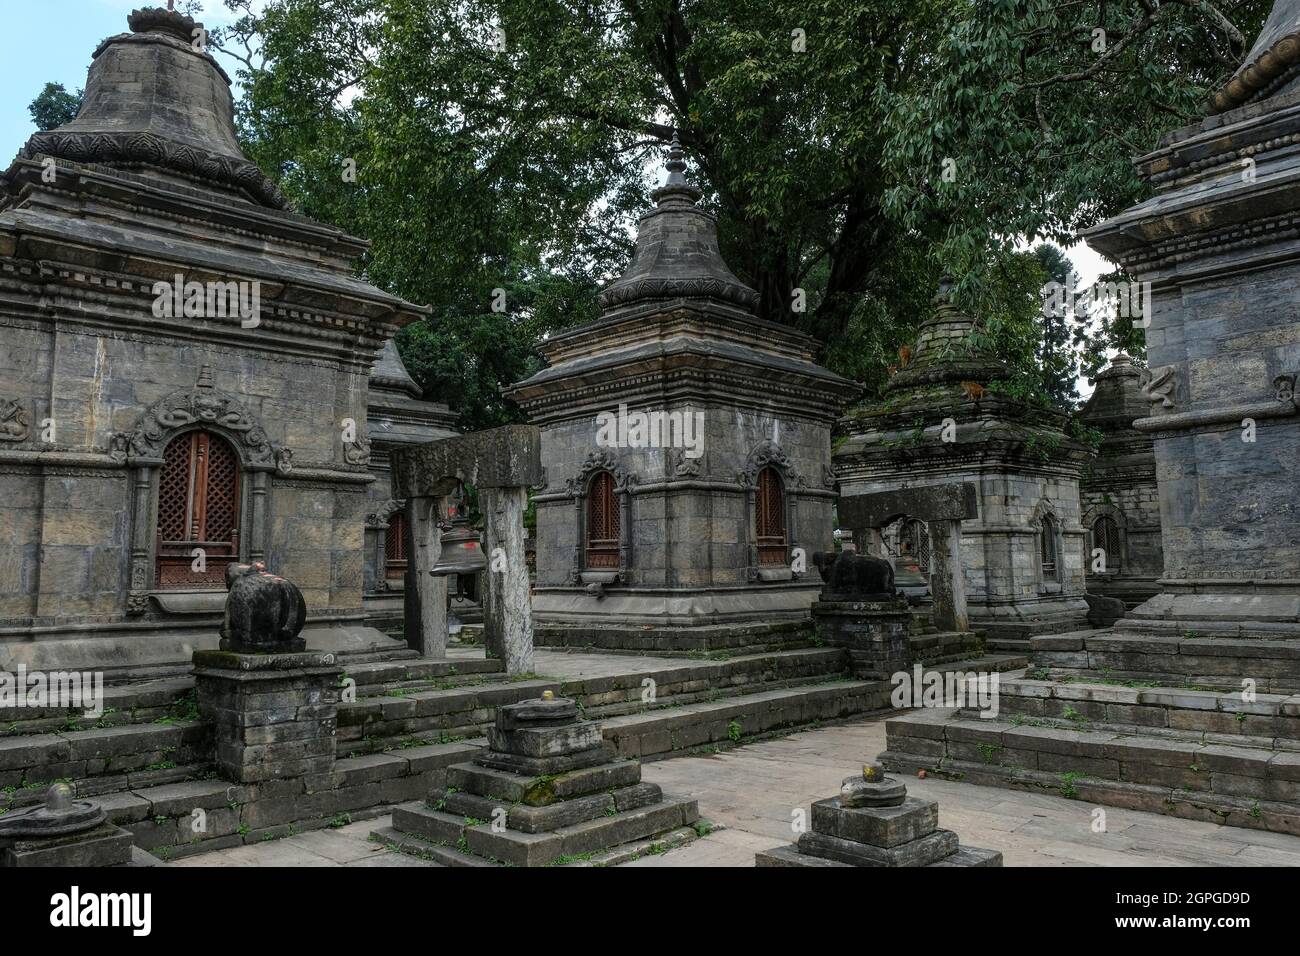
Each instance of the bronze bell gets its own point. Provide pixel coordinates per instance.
(462, 550)
(462, 553)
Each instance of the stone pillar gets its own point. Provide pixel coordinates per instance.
(257, 517)
(947, 582)
(141, 537)
(425, 594)
(507, 609)
(273, 715)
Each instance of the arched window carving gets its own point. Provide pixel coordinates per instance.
(770, 518)
(395, 547)
(198, 508)
(603, 522)
(1047, 549)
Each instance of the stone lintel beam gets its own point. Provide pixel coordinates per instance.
(505, 457)
(955, 501)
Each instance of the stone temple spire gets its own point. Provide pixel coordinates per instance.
(947, 349)
(1273, 64)
(156, 100)
(677, 254)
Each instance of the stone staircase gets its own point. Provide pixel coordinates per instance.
(1146, 721)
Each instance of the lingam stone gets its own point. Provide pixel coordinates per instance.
(872, 789)
(59, 816)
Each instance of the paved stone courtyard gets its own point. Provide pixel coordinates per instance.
(751, 791)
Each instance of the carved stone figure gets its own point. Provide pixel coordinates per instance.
(14, 425)
(855, 577)
(264, 612)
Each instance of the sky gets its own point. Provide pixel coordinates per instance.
(50, 41)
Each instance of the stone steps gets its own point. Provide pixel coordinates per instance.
(143, 702)
(164, 818)
(441, 834)
(1270, 720)
(31, 761)
(1243, 782)
(1184, 658)
(664, 731)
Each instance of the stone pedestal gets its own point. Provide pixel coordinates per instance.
(873, 822)
(273, 715)
(549, 789)
(875, 633)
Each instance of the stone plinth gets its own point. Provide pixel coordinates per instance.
(273, 715)
(873, 822)
(549, 789)
(875, 633)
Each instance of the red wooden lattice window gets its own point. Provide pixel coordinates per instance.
(602, 522)
(771, 518)
(395, 546)
(198, 507)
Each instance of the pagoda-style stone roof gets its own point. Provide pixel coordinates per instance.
(677, 252)
(390, 374)
(397, 413)
(154, 100)
(947, 378)
(679, 326)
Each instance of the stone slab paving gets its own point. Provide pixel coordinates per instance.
(752, 790)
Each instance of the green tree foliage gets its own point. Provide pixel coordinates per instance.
(54, 106)
(509, 145)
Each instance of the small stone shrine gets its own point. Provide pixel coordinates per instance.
(873, 822)
(943, 420)
(686, 443)
(548, 789)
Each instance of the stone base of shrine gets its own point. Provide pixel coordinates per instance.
(1009, 625)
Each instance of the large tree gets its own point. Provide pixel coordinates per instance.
(852, 149)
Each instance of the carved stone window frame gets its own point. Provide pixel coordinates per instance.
(377, 523)
(578, 488)
(769, 454)
(207, 408)
(1046, 521)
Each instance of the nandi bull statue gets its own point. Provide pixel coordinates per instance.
(854, 577)
(264, 612)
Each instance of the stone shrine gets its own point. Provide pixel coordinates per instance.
(1190, 705)
(183, 378)
(942, 420)
(686, 443)
(1121, 504)
(873, 822)
(547, 790)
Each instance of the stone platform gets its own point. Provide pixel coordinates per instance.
(1148, 721)
(549, 790)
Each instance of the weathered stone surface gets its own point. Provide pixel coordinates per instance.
(546, 741)
(879, 826)
(920, 852)
(1103, 611)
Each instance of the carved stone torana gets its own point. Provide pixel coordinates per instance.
(503, 457)
(596, 461)
(770, 453)
(14, 423)
(378, 520)
(203, 405)
(1158, 385)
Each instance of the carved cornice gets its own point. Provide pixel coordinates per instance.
(154, 150)
(695, 287)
